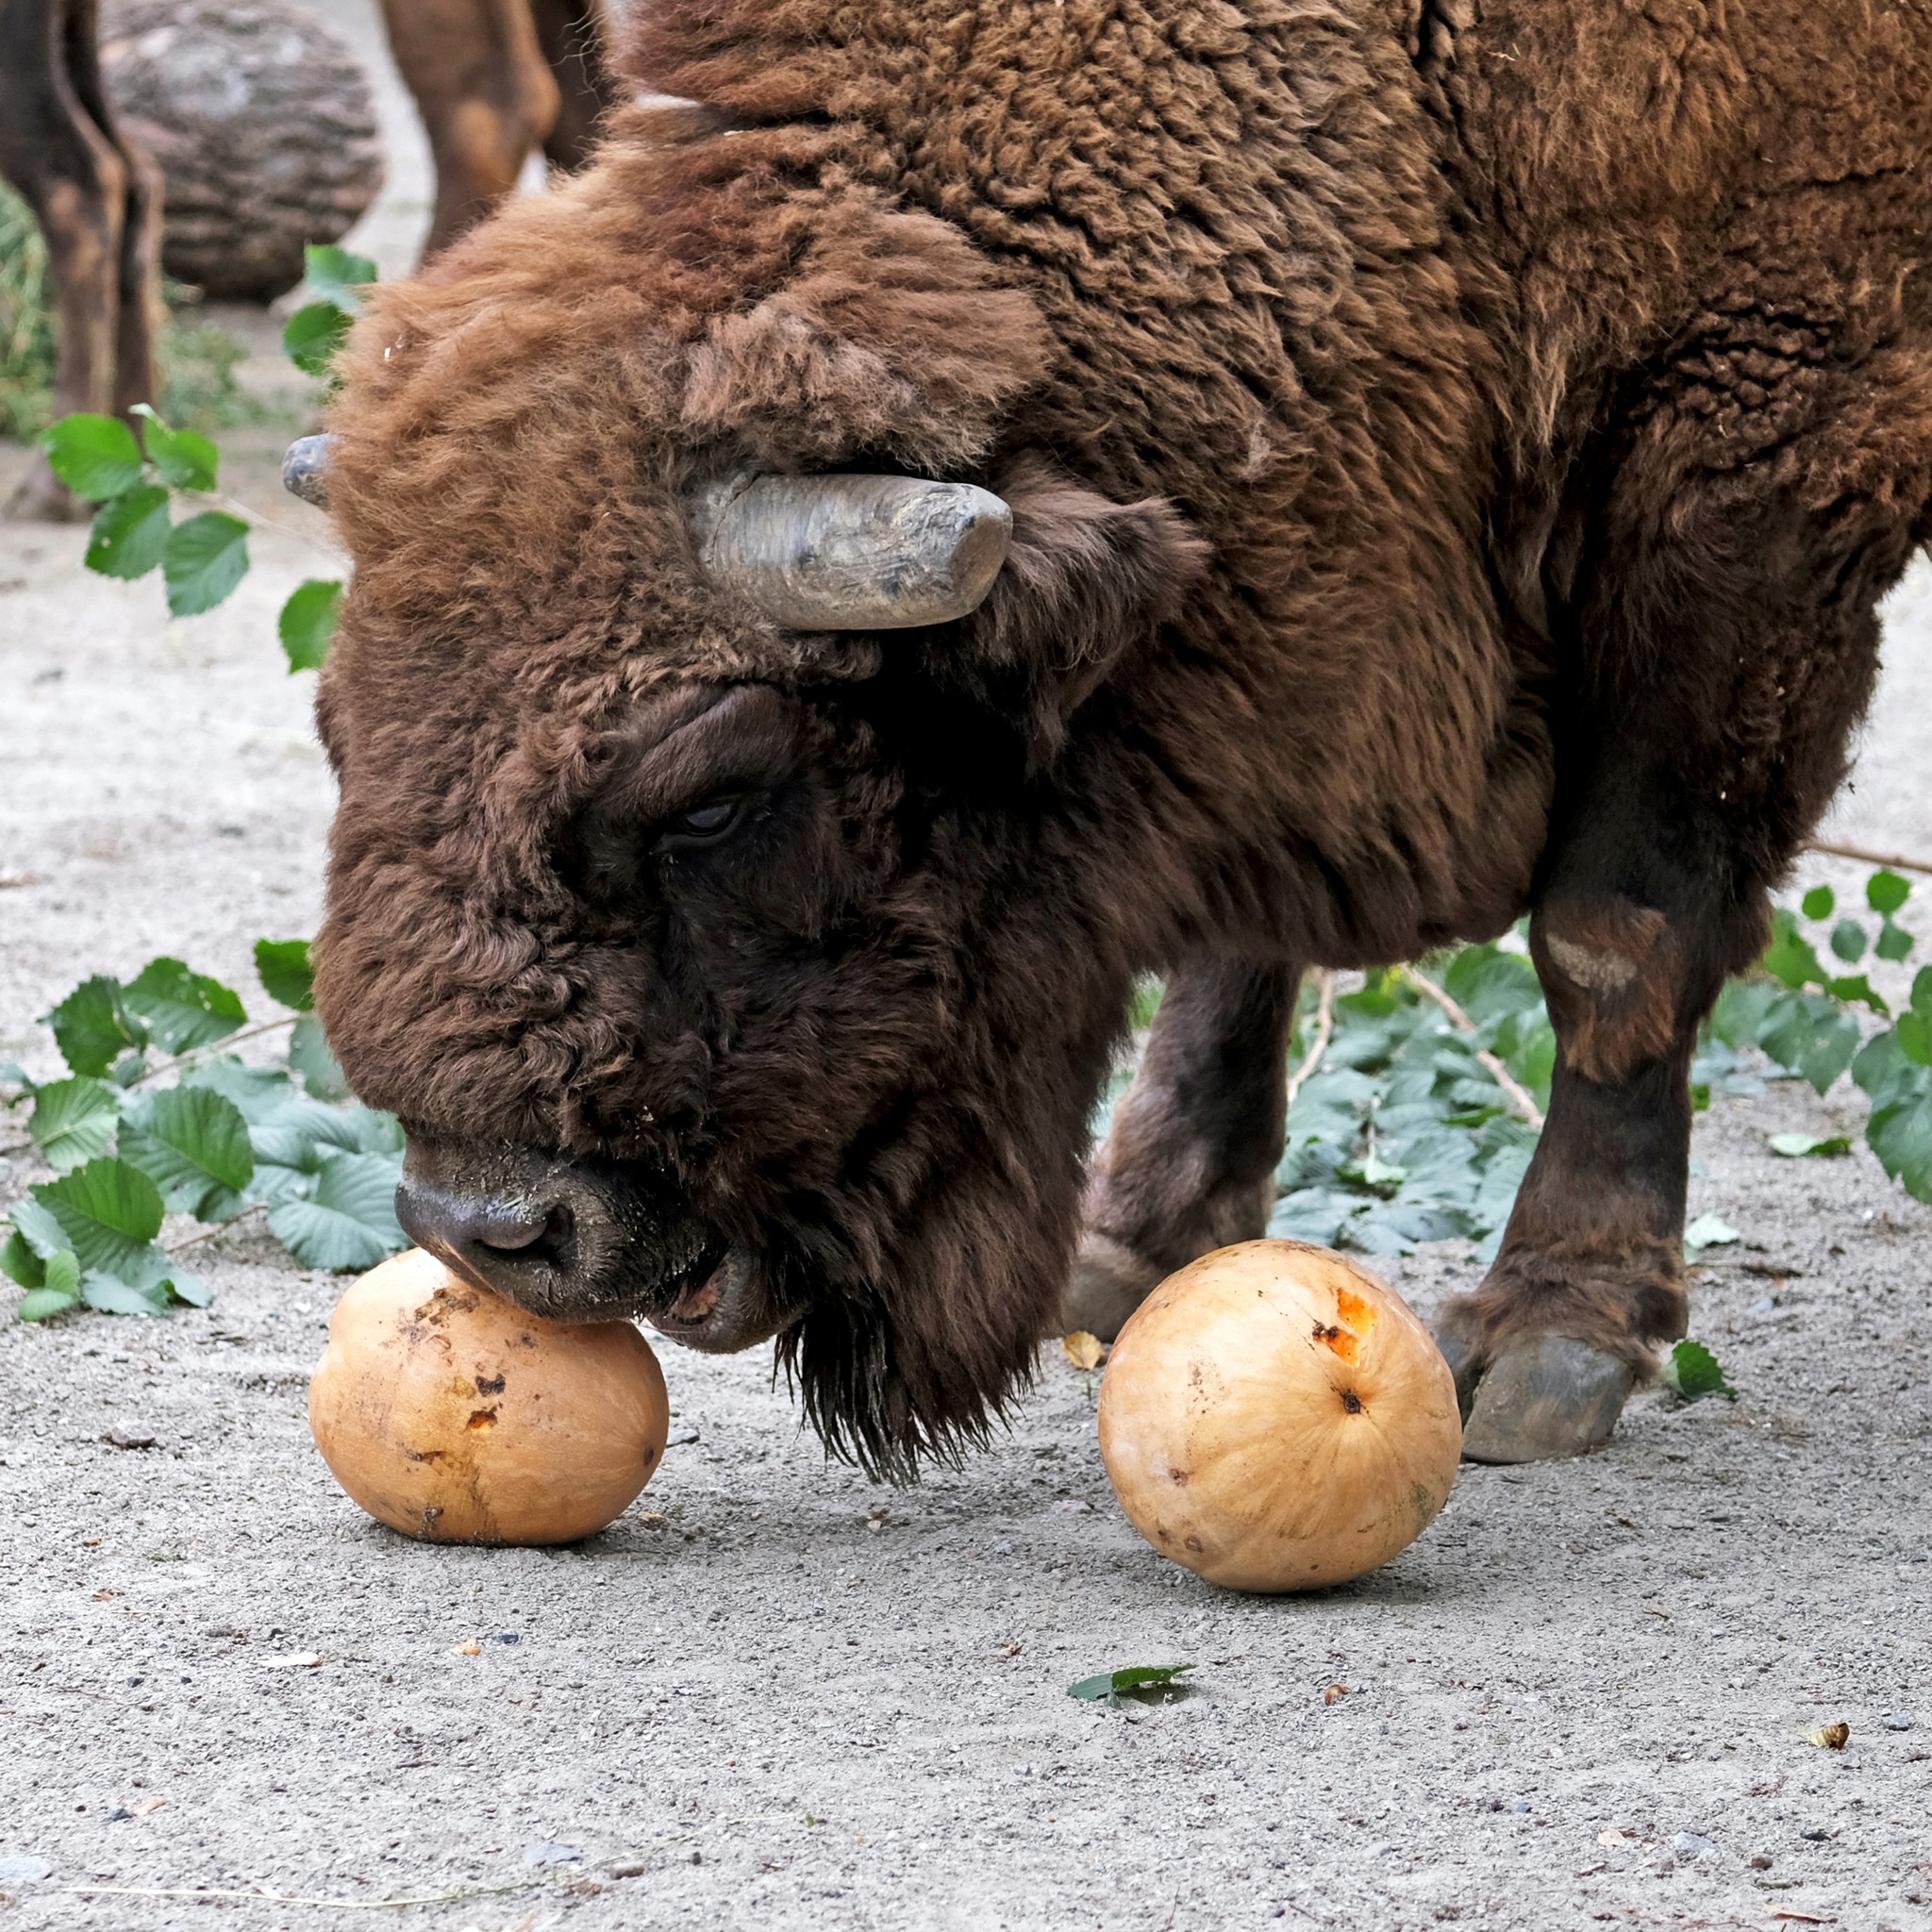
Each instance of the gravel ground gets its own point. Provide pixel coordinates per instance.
(773, 1696)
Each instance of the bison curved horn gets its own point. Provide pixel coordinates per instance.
(853, 552)
(304, 470)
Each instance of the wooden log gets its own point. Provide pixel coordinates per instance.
(264, 127)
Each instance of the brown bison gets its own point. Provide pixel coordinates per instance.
(493, 81)
(994, 499)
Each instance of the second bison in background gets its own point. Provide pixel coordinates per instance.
(1002, 499)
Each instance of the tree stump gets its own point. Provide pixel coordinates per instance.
(263, 124)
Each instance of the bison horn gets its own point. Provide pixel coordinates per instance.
(853, 552)
(304, 470)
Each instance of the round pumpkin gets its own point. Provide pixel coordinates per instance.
(1275, 1418)
(452, 1415)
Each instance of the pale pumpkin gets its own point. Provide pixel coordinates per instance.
(1275, 1418)
(450, 1414)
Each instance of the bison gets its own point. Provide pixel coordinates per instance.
(990, 500)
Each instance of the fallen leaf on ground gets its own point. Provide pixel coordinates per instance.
(295, 1660)
(1832, 1736)
(1335, 1693)
(1083, 1351)
(146, 1809)
(1614, 1835)
(1691, 1371)
(473, 1648)
(1803, 1919)
(1130, 1680)
(104, 1596)
(128, 1439)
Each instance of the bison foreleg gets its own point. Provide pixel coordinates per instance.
(1189, 1165)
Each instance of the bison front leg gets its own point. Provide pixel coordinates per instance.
(1590, 1273)
(1189, 1165)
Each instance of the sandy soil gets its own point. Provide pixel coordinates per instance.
(772, 1696)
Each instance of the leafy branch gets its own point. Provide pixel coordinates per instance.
(224, 1143)
(136, 485)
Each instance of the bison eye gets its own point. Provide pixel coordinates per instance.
(702, 824)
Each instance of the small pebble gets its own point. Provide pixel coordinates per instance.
(1760, 1861)
(1691, 1844)
(24, 1869)
(552, 1854)
(1897, 1722)
(1818, 1834)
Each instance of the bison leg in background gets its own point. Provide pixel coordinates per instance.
(97, 200)
(1189, 1165)
(570, 33)
(485, 95)
(138, 316)
(1726, 627)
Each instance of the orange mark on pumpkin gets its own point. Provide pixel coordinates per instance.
(483, 1418)
(1354, 1320)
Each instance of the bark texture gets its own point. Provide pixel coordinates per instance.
(264, 127)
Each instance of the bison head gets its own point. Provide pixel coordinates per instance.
(713, 889)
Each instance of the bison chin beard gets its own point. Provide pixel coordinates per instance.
(912, 1344)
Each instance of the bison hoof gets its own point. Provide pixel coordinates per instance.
(1544, 1399)
(1109, 1282)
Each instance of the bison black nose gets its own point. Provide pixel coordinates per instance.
(487, 1233)
(553, 1236)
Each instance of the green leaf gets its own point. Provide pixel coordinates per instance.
(1900, 1133)
(1812, 1035)
(187, 460)
(307, 622)
(38, 1233)
(1707, 1231)
(1790, 958)
(1915, 1038)
(18, 1262)
(1691, 1371)
(59, 1292)
(94, 1026)
(190, 1288)
(74, 1121)
(96, 457)
(1857, 990)
(309, 1055)
(1797, 1146)
(130, 532)
(286, 976)
(350, 1220)
(336, 276)
(205, 559)
(183, 1009)
(1741, 1010)
(1895, 942)
(193, 1144)
(313, 334)
(110, 1295)
(1132, 1680)
(1848, 940)
(1885, 893)
(110, 1213)
(258, 1092)
(1820, 902)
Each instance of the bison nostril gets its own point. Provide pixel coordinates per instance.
(548, 1240)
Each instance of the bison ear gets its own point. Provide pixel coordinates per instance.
(1084, 577)
(889, 338)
